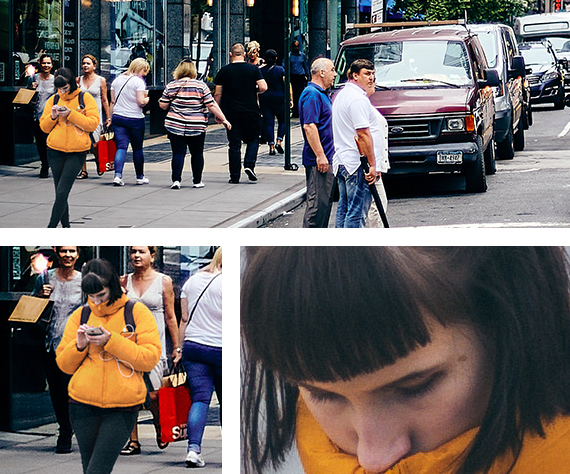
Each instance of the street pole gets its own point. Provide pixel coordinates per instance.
(287, 50)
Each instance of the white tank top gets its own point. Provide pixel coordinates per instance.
(95, 90)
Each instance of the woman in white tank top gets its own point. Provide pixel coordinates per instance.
(154, 290)
(97, 86)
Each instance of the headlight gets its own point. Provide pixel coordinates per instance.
(456, 124)
(549, 76)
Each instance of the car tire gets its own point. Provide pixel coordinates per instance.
(506, 149)
(475, 178)
(490, 164)
(519, 138)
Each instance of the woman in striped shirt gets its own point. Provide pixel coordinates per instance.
(188, 101)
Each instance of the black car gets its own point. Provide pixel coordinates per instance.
(545, 73)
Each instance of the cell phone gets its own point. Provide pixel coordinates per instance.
(94, 331)
(61, 109)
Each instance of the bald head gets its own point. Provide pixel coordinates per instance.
(237, 50)
(322, 72)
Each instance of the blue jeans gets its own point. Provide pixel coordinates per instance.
(203, 366)
(129, 130)
(355, 198)
(195, 144)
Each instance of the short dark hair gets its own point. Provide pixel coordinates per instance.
(295, 306)
(98, 274)
(64, 76)
(43, 56)
(358, 65)
(270, 57)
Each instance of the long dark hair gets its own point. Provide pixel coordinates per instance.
(306, 314)
(98, 274)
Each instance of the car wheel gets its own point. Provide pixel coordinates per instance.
(475, 179)
(519, 138)
(506, 149)
(490, 164)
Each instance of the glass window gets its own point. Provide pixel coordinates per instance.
(37, 29)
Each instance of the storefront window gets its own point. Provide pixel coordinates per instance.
(38, 28)
(137, 29)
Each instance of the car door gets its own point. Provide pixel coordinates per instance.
(515, 85)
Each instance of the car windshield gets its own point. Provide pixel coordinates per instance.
(411, 63)
(537, 55)
(489, 43)
(562, 45)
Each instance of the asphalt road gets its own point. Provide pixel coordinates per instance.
(532, 190)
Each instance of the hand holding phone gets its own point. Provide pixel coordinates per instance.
(60, 108)
(94, 331)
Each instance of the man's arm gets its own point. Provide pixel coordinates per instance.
(314, 141)
(367, 148)
(261, 86)
(218, 94)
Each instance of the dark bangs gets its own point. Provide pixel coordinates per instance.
(324, 313)
(98, 274)
(92, 284)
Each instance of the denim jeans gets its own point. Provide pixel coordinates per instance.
(129, 130)
(203, 366)
(195, 144)
(65, 167)
(355, 198)
(245, 128)
(270, 109)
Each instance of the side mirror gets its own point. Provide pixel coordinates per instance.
(518, 67)
(492, 79)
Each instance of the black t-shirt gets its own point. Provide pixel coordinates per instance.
(239, 82)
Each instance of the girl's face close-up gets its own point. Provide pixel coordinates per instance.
(141, 257)
(102, 297)
(420, 402)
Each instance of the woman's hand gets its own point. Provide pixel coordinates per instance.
(46, 291)
(227, 124)
(82, 341)
(176, 356)
(99, 340)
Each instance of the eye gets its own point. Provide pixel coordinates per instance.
(322, 396)
(423, 388)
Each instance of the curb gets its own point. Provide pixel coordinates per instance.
(272, 212)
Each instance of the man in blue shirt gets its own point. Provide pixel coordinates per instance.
(299, 74)
(316, 121)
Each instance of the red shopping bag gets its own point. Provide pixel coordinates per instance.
(107, 148)
(174, 404)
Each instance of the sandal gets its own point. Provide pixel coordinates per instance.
(132, 448)
(159, 442)
(82, 175)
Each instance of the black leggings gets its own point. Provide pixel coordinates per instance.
(101, 434)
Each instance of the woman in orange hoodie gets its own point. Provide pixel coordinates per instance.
(407, 359)
(107, 386)
(68, 124)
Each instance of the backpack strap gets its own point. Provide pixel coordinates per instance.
(129, 319)
(55, 98)
(80, 98)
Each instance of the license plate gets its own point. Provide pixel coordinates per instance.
(452, 158)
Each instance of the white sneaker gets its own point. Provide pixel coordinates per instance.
(118, 181)
(193, 459)
(175, 185)
(143, 180)
(198, 185)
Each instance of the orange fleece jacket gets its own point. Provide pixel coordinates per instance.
(96, 378)
(71, 134)
(539, 455)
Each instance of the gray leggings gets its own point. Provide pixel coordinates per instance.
(65, 168)
(101, 434)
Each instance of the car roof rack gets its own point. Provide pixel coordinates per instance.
(406, 24)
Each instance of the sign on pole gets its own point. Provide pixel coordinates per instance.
(377, 11)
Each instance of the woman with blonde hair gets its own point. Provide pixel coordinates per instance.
(128, 97)
(252, 53)
(201, 331)
(96, 85)
(188, 101)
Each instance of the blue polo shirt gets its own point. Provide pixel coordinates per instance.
(315, 107)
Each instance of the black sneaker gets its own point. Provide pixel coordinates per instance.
(233, 181)
(279, 148)
(44, 173)
(250, 174)
(63, 445)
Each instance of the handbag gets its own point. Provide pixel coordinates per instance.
(107, 147)
(33, 310)
(174, 403)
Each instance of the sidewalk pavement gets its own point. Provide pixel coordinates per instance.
(32, 451)
(26, 200)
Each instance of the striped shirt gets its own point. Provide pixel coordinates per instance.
(188, 114)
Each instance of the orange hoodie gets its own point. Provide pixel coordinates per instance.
(71, 134)
(539, 455)
(98, 378)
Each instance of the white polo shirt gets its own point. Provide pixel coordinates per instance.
(352, 110)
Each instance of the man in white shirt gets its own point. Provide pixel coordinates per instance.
(354, 116)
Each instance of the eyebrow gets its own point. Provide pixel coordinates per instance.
(409, 378)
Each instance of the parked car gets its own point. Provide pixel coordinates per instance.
(545, 73)
(435, 90)
(500, 46)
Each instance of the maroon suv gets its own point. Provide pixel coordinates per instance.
(434, 88)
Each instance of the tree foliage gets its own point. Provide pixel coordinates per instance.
(478, 11)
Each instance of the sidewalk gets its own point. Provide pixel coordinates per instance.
(26, 200)
(32, 451)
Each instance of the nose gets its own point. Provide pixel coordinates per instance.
(382, 442)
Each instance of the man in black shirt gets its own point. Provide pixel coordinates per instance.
(237, 86)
